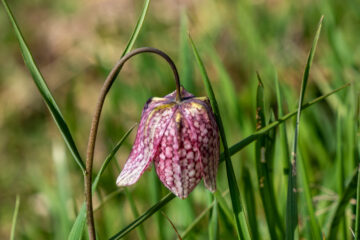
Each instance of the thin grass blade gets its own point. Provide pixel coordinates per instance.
(357, 217)
(263, 170)
(79, 224)
(197, 220)
(314, 224)
(232, 150)
(145, 216)
(349, 192)
(250, 203)
(357, 159)
(172, 225)
(291, 205)
(340, 170)
(110, 156)
(239, 213)
(224, 206)
(283, 135)
(155, 196)
(140, 229)
(44, 90)
(201, 216)
(76, 233)
(186, 62)
(214, 222)
(137, 28)
(15, 216)
(77, 229)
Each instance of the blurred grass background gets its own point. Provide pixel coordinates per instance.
(76, 43)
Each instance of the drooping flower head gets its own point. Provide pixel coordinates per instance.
(181, 138)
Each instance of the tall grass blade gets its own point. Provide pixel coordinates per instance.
(227, 88)
(233, 150)
(186, 62)
(224, 206)
(239, 213)
(110, 156)
(314, 225)
(283, 136)
(349, 192)
(197, 220)
(263, 169)
(145, 216)
(81, 218)
(15, 216)
(246, 141)
(214, 222)
(201, 216)
(61, 195)
(291, 205)
(340, 170)
(77, 229)
(357, 216)
(250, 203)
(155, 192)
(172, 225)
(356, 140)
(79, 224)
(140, 229)
(137, 28)
(44, 90)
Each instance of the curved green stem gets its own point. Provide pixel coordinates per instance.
(96, 119)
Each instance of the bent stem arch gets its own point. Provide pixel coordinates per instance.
(96, 119)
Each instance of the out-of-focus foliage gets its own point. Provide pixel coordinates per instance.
(76, 43)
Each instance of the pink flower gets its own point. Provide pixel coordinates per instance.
(181, 138)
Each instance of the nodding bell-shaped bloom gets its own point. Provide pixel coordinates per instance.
(181, 138)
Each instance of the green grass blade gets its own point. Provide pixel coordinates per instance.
(155, 196)
(14, 220)
(202, 215)
(340, 170)
(186, 62)
(291, 205)
(224, 206)
(137, 28)
(145, 216)
(357, 217)
(77, 229)
(239, 213)
(356, 141)
(79, 224)
(140, 229)
(233, 150)
(263, 170)
(349, 192)
(246, 141)
(62, 194)
(44, 90)
(314, 225)
(109, 157)
(250, 203)
(214, 222)
(197, 220)
(227, 88)
(283, 135)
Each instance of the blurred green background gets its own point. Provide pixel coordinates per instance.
(76, 43)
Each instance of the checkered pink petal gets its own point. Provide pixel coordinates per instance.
(178, 162)
(182, 139)
(155, 117)
(203, 125)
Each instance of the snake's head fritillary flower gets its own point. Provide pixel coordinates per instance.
(181, 138)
